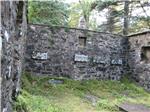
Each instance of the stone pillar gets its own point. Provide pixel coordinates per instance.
(0, 67)
(82, 23)
(13, 30)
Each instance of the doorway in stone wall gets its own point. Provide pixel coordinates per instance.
(145, 54)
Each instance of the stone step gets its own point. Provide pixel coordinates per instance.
(132, 107)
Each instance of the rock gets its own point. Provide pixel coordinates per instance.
(93, 99)
(132, 107)
(55, 81)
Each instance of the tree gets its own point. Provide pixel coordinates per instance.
(52, 12)
(120, 16)
(140, 21)
(81, 9)
(86, 10)
(74, 15)
(112, 13)
(126, 18)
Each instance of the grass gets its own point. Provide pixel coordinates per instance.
(37, 95)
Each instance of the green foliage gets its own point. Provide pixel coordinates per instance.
(75, 14)
(105, 4)
(40, 96)
(116, 16)
(52, 12)
(21, 102)
(57, 12)
(86, 9)
(81, 9)
(33, 103)
(138, 23)
(107, 105)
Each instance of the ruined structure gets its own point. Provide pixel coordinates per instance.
(13, 31)
(75, 53)
(84, 54)
(70, 52)
(139, 58)
(82, 23)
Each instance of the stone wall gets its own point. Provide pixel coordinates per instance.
(75, 53)
(138, 61)
(13, 31)
(59, 51)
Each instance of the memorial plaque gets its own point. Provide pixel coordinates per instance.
(38, 55)
(116, 61)
(81, 58)
(101, 60)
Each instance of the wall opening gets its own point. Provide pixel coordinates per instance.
(82, 41)
(20, 12)
(145, 54)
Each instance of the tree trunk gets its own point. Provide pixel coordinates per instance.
(126, 19)
(110, 20)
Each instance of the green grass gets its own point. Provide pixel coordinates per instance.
(38, 95)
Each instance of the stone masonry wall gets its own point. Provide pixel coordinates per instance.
(58, 51)
(139, 66)
(13, 31)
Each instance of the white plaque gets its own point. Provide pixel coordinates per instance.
(117, 62)
(39, 55)
(81, 58)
